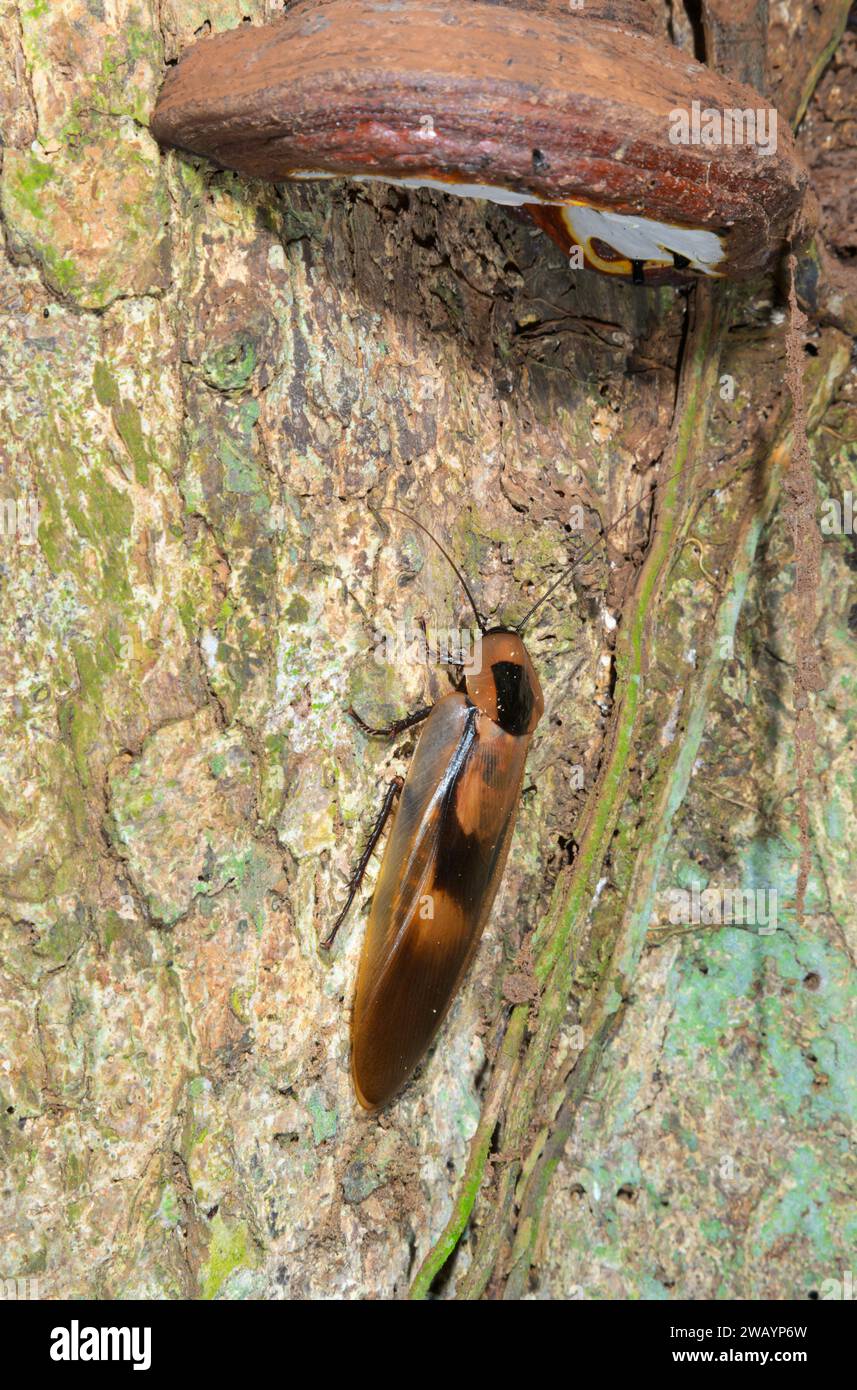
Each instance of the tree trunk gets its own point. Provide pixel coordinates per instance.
(209, 389)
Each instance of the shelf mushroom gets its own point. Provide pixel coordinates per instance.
(637, 160)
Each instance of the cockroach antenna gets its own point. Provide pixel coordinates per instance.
(570, 569)
(462, 581)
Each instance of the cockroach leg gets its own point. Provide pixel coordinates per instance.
(356, 879)
(396, 728)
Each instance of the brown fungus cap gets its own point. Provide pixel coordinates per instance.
(614, 141)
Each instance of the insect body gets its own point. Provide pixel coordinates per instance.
(446, 852)
(442, 865)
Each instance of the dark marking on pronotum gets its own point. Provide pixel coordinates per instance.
(514, 696)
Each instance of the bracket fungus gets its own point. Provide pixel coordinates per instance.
(614, 141)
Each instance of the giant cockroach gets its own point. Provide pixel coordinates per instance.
(446, 850)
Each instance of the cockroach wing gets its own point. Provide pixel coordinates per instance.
(441, 869)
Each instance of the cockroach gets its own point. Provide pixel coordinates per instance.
(446, 851)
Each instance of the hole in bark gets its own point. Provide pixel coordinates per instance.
(693, 10)
(482, 1073)
(812, 980)
(566, 847)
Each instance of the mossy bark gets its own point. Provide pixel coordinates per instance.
(208, 389)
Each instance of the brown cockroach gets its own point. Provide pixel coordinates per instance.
(446, 850)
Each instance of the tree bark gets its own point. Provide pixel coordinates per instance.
(209, 390)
